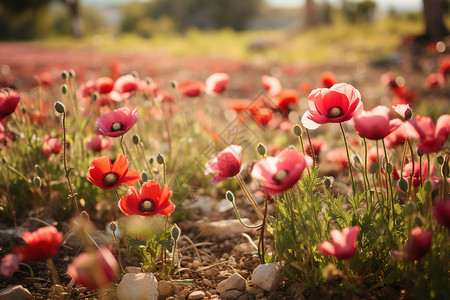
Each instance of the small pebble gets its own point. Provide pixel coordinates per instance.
(196, 295)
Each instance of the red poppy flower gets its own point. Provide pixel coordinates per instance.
(344, 243)
(107, 175)
(281, 172)
(216, 83)
(327, 79)
(338, 156)
(51, 145)
(441, 212)
(40, 244)
(375, 124)
(271, 84)
(150, 200)
(287, 100)
(117, 122)
(9, 99)
(99, 143)
(191, 88)
(335, 105)
(9, 264)
(407, 172)
(239, 105)
(317, 145)
(417, 246)
(227, 163)
(261, 110)
(94, 270)
(104, 85)
(126, 84)
(432, 137)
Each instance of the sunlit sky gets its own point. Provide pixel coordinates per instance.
(400, 5)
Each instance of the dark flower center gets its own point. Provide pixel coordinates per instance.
(110, 179)
(282, 174)
(335, 112)
(118, 126)
(147, 205)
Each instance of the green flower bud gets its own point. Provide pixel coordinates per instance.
(64, 89)
(328, 182)
(151, 160)
(409, 209)
(144, 176)
(390, 168)
(261, 149)
(373, 168)
(94, 96)
(174, 84)
(403, 185)
(420, 153)
(37, 181)
(71, 73)
(428, 185)
(297, 130)
(175, 232)
(230, 196)
(136, 139)
(160, 158)
(59, 107)
(113, 226)
(64, 75)
(408, 114)
(440, 159)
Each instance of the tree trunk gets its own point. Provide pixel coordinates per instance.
(311, 17)
(434, 25)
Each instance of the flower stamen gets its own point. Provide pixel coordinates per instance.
(118, 126)
(110, 179)
(147, 205)
(335, 112)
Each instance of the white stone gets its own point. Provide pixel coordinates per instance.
(137, 286)
(234, 282)
(268, 276)
(15, 292)
(224, 228)
(196, 295)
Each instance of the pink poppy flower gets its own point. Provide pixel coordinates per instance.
(149, 201)
(9, 264)
(191, 88)
(441, 212)
(9, 100)
(126, 84)
(434, 81)
(281, 172)
(104, 85)
(40, 244)
(327, 79)
(216, 83)
(271, 84)
(94, 270)
(403, 110)
(338, 156)
(117, 122)
(418, 244)
(375, 124)
(51, 145)
(344, 243)
(407, 170)
(335, 105)
(432, 137)
(227, 163)
(399, 136)
(99, 143)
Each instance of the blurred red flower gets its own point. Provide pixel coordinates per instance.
(117, 122)
(271, 84)
(281, 172)
(9, 100)
(51, 145)
(417, 245)
(287, 100)
(344, 243)
(107, 175)
(407, 172)
(317, 145)
(216, 83)
(191, 88)
(94, 270)
(227, 163)
(9, 264)
(126, 84)
(434, 81)
(375, 124)
(104, 85)
(99, 143)
(150, 200)
(327, 79)
(441, 212)
(335, 105)
(432, 137)
(40, 244)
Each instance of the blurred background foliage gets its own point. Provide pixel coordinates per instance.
(40, 19)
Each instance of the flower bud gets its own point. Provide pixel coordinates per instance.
(403, 185)
(389, 168)
(420, 153)
(59, 107)
(37, 181)
(297, 130)
(113, 226)
(71, 73)
(408, 114)
(136, 139)
(151, 160)
(409, 209)
(175, 232)
(24, 110)
(64, 75)
(64, 89)
(261, 149)
(373, 168)
(144, 176)
(356, 159)
(328, 182)
(94, 96)
(160, 158)
(230, 196)
(440, 159)
(174, 84)
(428, 185)
(38, 170)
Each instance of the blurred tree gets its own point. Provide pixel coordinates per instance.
(433, 11)
(359, 11)
(311, 16)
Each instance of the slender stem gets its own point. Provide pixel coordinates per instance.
(412, 170)
(119, 254)
(263, 229)
(249, 196)
(67, 175)
(164, 172)
(420, 171)
(238, 215)
(366, 178)
(349, 162)
(388, 180)
(29, 269)
(121, 144)
(311, 148)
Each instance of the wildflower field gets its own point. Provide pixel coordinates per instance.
(143, 175)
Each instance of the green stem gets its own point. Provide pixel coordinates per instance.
(119, 254)
(311, 149)
(366, 178)
(388, 180)
(238, 215)
(249, 196)
(349, 162)
(121, 144)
